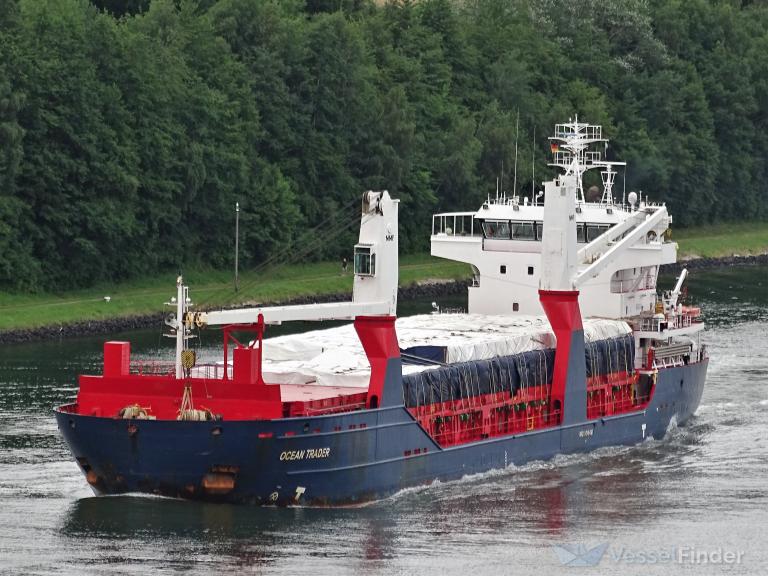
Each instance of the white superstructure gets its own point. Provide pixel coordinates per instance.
(620, 244)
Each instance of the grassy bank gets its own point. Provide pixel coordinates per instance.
(722, 240)
(215, 288)
(207, 288)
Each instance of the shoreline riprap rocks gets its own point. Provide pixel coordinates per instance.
(720, 262)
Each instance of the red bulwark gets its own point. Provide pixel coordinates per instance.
(245, 397)
(117, 358)
(379, 339)
(562, 310)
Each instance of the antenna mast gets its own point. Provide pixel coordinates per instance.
(533, 165)
(608, 177)
(501, 188)
(517, 137)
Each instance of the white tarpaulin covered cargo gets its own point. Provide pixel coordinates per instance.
(335, 357)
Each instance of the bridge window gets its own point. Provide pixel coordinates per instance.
(522, 231)
(595, 230)
(464, 225)
(580, 233)
(438, 224)
(365, 260)
(455, 224)
(539, 230)
(496, 229)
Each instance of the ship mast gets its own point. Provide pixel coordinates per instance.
(609, 177)
(180, 332)
(571, 149)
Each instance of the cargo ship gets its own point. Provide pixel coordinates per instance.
(566, 346)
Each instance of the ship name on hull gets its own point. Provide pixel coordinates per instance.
(307, 454)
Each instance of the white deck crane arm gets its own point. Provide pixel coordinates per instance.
(280, 314)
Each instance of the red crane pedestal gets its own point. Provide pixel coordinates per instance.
(569, 377)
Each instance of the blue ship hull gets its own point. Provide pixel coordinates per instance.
(335, 460)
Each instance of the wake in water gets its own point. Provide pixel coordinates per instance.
(581, 466)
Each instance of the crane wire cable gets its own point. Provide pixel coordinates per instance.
(281, 255)
(311, 240)
(291, 257)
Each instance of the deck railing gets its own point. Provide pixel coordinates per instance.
(669, 322)
(152, 368)
(166, 368)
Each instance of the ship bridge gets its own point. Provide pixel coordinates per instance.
(503, 246)
(502, 241)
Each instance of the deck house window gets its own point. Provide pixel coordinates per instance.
(365, 260)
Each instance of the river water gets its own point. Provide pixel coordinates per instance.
(693, 503)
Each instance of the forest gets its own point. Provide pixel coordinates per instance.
(130, 128)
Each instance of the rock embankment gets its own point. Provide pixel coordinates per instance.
(721, 262)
